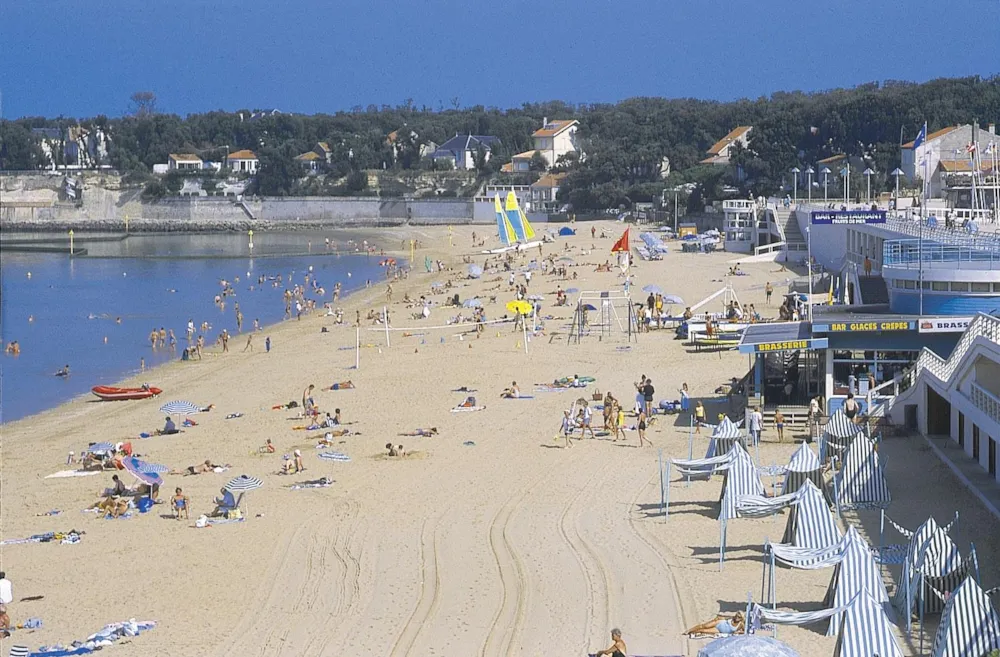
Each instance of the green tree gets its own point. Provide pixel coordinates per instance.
(538, 162)
(19, 150)
(278, 171)
(357, 181)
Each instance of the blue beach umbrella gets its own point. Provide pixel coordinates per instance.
(673, 298)
(752, 645)
(334, 456)
(589, 306)
(653, 289)
(100, 448)
(179, 408)
(152, 468)
(133, 466)
(475, 271)
(472, 303)
(566, 231)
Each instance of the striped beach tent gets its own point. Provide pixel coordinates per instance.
(838, 435)
(811, 524)
(861, 481)
(931, 557)
(969, 625)
(802, 467)
(724, 436)
(865, 630)
(741, 478)
(857, 572)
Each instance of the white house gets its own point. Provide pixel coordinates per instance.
(721, 151)
(553, 140)
(184, 162)
(461, 150)
(545, 190)
(244, 161)
(943, 151)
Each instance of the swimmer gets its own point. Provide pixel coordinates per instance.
(63, 372)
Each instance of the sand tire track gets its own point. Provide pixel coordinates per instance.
(430, 588)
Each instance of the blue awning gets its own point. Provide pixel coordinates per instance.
(779, 336)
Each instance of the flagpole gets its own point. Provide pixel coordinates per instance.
(920, 241)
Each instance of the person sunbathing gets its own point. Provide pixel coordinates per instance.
(513, 392)
(425, 433)
(316, 483)
(179, 502)
(470, 402)
(113, 506)
(719, 625)
(395, 450)
(201, 468)
(343, 385)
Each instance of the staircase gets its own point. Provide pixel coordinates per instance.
(872, 290)
(789, 226)
(795, 416)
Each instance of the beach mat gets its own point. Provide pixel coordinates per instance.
(72, 473)
(467, 409)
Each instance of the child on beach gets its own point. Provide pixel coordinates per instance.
(567, 428)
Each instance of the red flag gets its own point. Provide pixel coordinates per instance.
(622, 243)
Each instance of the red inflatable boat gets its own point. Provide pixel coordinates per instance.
(107, 393)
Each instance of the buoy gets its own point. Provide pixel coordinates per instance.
(124, 273)
(29, 274)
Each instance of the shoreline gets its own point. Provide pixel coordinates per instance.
(171, 226)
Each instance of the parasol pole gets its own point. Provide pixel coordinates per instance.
(385, 320)
(357, 348)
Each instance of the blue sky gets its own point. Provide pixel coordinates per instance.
(82, 58)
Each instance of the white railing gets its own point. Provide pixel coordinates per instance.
(769, 248)
(986, 401)
(982, 325)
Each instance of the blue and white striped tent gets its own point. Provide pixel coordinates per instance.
(865, 629)
(802, 467)
(811, 524)
(724, 436)
(969, 625)
(932, 554)
(856, 572)
(861, 481)
(741, 478)
(838, 435)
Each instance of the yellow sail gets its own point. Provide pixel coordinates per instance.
(504, 229)
(518, 220)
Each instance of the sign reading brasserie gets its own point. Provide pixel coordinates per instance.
(944, 324)
(787, 345)
(839, 217)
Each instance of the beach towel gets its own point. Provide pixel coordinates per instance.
(304, 486)
(211, 522)
(334, 456)
(233, 416)
(72, 473)
(520, 397)
(467, 409)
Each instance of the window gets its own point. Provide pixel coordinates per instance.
(899, 283)
(980, 287)
(926, 285)
(959, 287)
(938, 286)
(996, 287)
(975, 442)
(910, 285)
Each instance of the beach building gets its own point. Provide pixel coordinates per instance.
(944, 153)
(184, 162)
(461, 150)
(721, 150)
(244, 161)
(544, 192)
(550, 142)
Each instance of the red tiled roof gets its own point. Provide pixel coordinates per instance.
(550, 180)
(553, 128)
(733, 135)
(243, 155)
(934, 135)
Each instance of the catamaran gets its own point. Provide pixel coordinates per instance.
(513, 227)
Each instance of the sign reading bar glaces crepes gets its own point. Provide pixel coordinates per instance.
(847, 217)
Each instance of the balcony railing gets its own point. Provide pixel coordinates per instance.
(986, 401)
(911, 254)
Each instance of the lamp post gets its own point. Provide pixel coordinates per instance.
(868, 181)
(810, 172)
(845, 173)
(897, 172)
(826, 181)
(809, 263)
(250, 234)
(71, 242)
(795, 183)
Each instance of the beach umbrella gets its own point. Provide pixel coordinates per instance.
(565, 259)
(472, 303)
(475, 271)
(334, 456)
(653, 289)
(566, 231)
(589, 306)
(535, 297)
(133, 466)
(100, 448)
(749, 645)
(519, 306)
(673, 298)
(152, 468)
(243, 483)
(179, 408)
(572, 290)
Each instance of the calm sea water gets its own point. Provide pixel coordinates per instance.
(63, 312)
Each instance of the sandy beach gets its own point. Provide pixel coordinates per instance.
(510, 545)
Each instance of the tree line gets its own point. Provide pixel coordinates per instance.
(625, 143)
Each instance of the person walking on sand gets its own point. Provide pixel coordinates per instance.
(249, 344)
(588, 417)
(779, 424)
(567, 428)
(685, 398)
(699, 416)
(619, 422)
(225, 341)
(768, 290)
(755, 422)
(388, 293)
(642, 429)
(617, 647)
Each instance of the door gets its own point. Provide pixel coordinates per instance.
(975, 442)
(961, 430)
(938, 414)
(992, 463)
